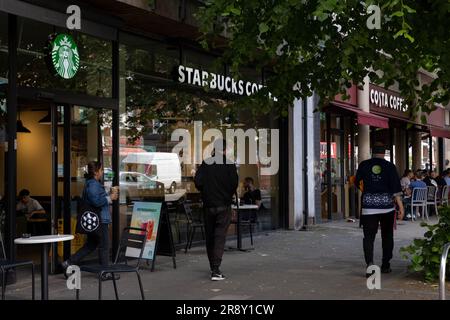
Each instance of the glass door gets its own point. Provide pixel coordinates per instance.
(337, 160)
(88, 138)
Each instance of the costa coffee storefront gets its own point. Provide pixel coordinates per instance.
(348, 129)
(412, 144)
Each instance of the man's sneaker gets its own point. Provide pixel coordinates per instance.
(217, 276)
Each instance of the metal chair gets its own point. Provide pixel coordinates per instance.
(432, 198)
(130, 240)
(192, 226)
(419, 200)
(6, 265)
(444, 195)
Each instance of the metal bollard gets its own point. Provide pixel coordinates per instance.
(442, 272)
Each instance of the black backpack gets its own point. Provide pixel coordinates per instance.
(88, 217)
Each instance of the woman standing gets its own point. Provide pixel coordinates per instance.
(94, 193)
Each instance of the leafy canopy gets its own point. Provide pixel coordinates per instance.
(325, 46)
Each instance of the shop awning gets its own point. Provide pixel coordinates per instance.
(364, 117)
(441, 133)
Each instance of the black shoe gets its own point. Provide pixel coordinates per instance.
(386, 269)
(109, 276)
(64, 266)
(369, 274)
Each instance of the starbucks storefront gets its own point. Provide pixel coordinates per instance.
(69, 97)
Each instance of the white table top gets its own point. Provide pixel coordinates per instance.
(44, 239)
(246, 207)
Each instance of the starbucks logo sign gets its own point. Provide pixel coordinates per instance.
(65, 58)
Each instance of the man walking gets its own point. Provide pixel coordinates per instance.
(381, 187)
(217, 180)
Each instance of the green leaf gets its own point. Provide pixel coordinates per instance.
(423, 118)
(399, 33)
(436, 259)
(397, 14)
(411, 39)
(409, 9)
(236, 11)
(263, 27)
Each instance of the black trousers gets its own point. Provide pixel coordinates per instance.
(98, 240)
(370, 225)
(217, 221)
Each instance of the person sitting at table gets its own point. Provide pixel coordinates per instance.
(252, 195)
(28, 206)
(440, 179)
(405, 181)
(430, 179)
(417, 183)
(33, 211)
(447, 176)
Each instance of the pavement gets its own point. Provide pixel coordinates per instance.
(325, 262)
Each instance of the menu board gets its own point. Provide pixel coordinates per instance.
(146, 215)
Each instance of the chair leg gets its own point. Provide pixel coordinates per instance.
(32, 281)
(187, 239)
(192, 236)
(3, 283)
(140, 285)
(251, 233)
(100, 286)
(202, 229)
(115, 287)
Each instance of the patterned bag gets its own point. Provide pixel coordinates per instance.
(377, 200)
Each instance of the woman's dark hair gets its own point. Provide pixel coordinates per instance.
(92, 168)
(407, 171)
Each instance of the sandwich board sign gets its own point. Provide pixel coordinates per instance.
(146, 215)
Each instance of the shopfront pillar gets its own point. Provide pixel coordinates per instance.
(400, 150)
(416, 150)
(364, 130)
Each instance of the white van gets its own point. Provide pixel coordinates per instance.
(163, 167)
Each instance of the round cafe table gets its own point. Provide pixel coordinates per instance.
(44, 241)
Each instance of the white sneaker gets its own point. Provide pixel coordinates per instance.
(217, 276)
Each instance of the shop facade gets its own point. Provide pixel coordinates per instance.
(349, 128)
(130, 94)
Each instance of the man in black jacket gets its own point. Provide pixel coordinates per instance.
(217, 180)
(381, 187)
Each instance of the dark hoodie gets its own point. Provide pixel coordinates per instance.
(217, 183)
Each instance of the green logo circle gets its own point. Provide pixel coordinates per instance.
(376, 169)
(65, 56)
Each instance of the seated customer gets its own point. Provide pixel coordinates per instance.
(252, 195)
(430, 179)
(447, 176)
(440, 179)
(28, 205)
(417, 183)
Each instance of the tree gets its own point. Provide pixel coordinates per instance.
(325, 46)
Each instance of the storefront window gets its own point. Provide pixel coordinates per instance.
(93, 76)
(3, 48)
(3, 81)
(157, 115)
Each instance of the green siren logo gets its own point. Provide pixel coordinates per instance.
(64, 55)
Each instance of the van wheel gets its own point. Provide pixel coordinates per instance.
(173, 187)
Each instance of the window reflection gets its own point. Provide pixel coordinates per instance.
(157, 114)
